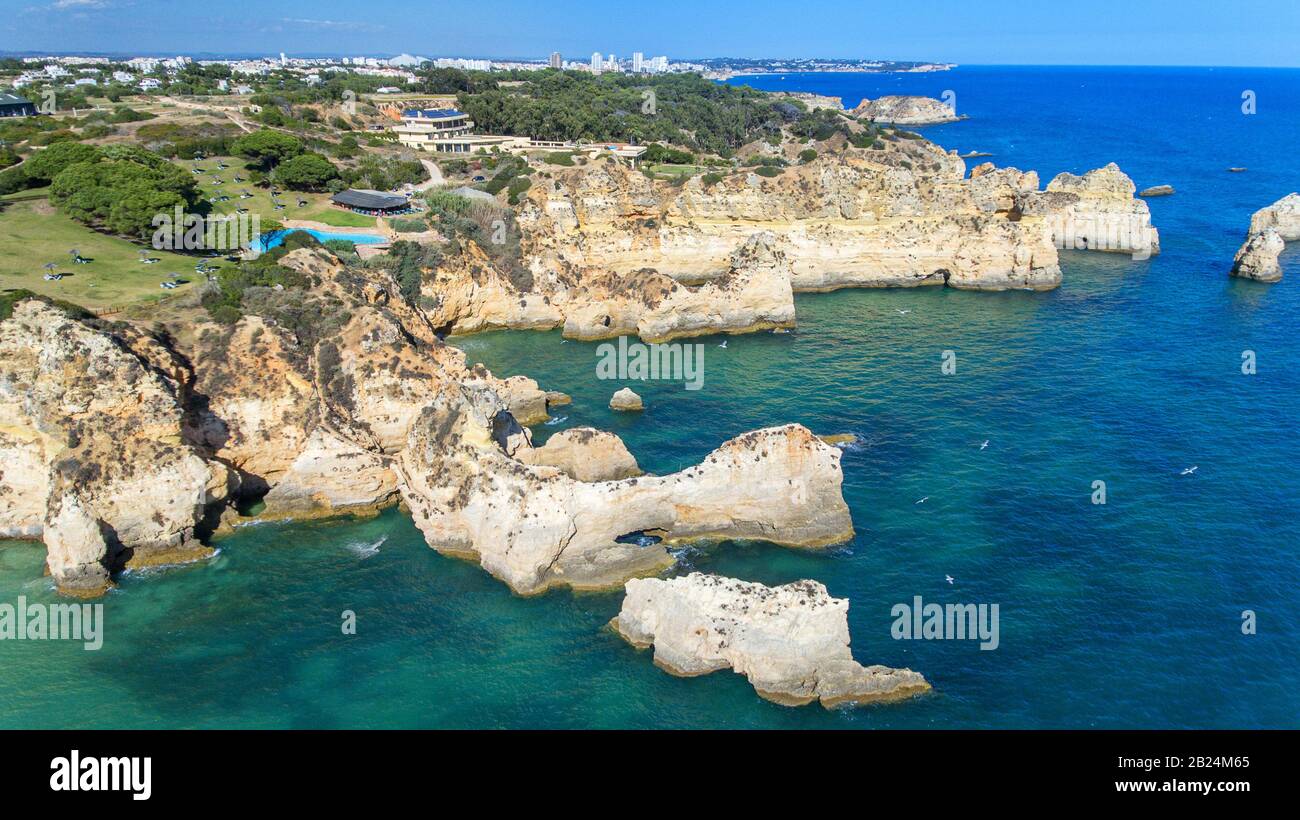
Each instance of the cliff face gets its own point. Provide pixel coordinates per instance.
(612, 252)
(1096, 211)
(92, 451)
(791, 642)
(846, 221)
(122, 447)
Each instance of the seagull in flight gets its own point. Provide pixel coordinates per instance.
(723, 345)
(923, 500)
(948, 578)
(903, 312)
(1190, 470)
(985, 444)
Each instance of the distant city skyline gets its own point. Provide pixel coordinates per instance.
(1110, 32)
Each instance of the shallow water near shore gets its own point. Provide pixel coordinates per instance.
(1115, 615)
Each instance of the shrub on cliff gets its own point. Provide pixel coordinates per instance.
(517, 186)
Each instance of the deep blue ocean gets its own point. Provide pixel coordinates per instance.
(1126, 614)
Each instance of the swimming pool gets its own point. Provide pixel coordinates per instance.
(272, 239)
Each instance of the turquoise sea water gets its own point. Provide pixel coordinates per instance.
(1121, 615)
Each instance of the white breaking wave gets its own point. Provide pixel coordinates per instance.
(366, 550)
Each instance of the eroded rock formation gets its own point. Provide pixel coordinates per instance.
(1258, 257)
(1270, 229)
(536, 527)
(905, 110)
(791, 641)
(584, 454)
(92, 451)
(1096, 211)
(122, 446)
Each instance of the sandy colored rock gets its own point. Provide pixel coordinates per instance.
(585, 454)
(77, 555)
(1283, 216)
(1157, 190)
(1258, 257)
(625, 400)
(791, 641)
(905, 110)
(1096, 211)
(754, 293)
(94, 448)
(125, 446)
(534, 527)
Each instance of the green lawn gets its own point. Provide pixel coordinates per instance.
(33, 233)
(338, 218)
(317, 209)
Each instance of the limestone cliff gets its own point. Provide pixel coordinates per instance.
(1097, 211)
(535, 527)
(92, 451)
(122, 447)
(611, 251)
(791, 642)
(905, 110)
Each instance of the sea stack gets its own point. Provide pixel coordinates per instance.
(1270, 229)
(626, 400)
(791, 641)
(1257, 258)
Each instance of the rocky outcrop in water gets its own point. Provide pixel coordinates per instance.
(536, 528)
(1096, 211)
(625, 400)
(125, 447)
(791, 641)
(905, 110)
(1258, 257)
(1283, 215)
(1270, 229)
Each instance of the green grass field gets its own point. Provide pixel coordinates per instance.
(317, 209)
(33, 233)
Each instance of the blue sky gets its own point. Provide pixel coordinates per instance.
(1123, 32)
